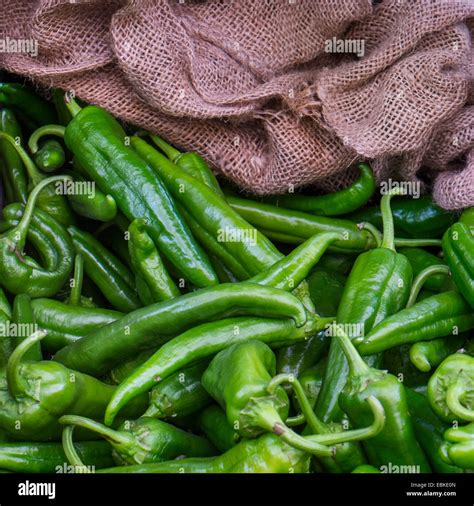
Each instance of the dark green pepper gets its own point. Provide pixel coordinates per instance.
(427, 354)
(420, 259)
(214, 424)
(458, 448)
(50, 157)
(22, 274)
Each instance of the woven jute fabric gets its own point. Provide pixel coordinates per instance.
(263, 89)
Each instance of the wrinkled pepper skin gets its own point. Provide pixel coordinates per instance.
(451, 389)
(266, 454)
(98, 142)
(458, 248)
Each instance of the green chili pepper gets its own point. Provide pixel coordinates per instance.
(266, 454)
(50, 457)
(397, 362)
(98, 142)
(204, 341)
(440, 315)
(302, 225)
(458, 448)
(239, 378)
(342, 202)
(348, 454)
(214, 424)
(458, 248)
(34, 395)
(144, 441)
(24, 321)
(66, 324)
(422, 278)
(427, 354)
(377, 287)
(312, 379)
(299, 357)
(412, 217)
(254, 251)
(101, 350)
(22, 274)
(396, 443)
(148, 266)
(113, 278)
(89, 201)
(429, 430)
(191, 163)
(51, 200)
(451, 388)
(29, 103)
(326, 288)
(420, 259)
(180, 394)
(63, 114)
(13, 173)
(50, 157)
(123, 370)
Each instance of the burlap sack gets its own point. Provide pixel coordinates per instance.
(251, 84)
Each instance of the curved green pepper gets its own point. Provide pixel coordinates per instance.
(14, 177)
(342, 202)
(396, 443)
(265, 454)
(142, 441)
(34, 395)
(202, 342)
(98, 142)
(451, 388)
(427, 354)
(22, 274)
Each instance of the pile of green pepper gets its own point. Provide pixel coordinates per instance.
(152, 320)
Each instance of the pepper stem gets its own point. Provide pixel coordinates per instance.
(453, 396)
(73, 107)
(419, 281)
(33, 173)
(387, 218)
(172, 153)
(315, 424)
(373, 230)
(19, 232)
(70, 450)
(358, 434)
(356, 363)
(76, 289)
(14, 378)
(57, 130)
(401, 242)
(264, 414)
(111, 435)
